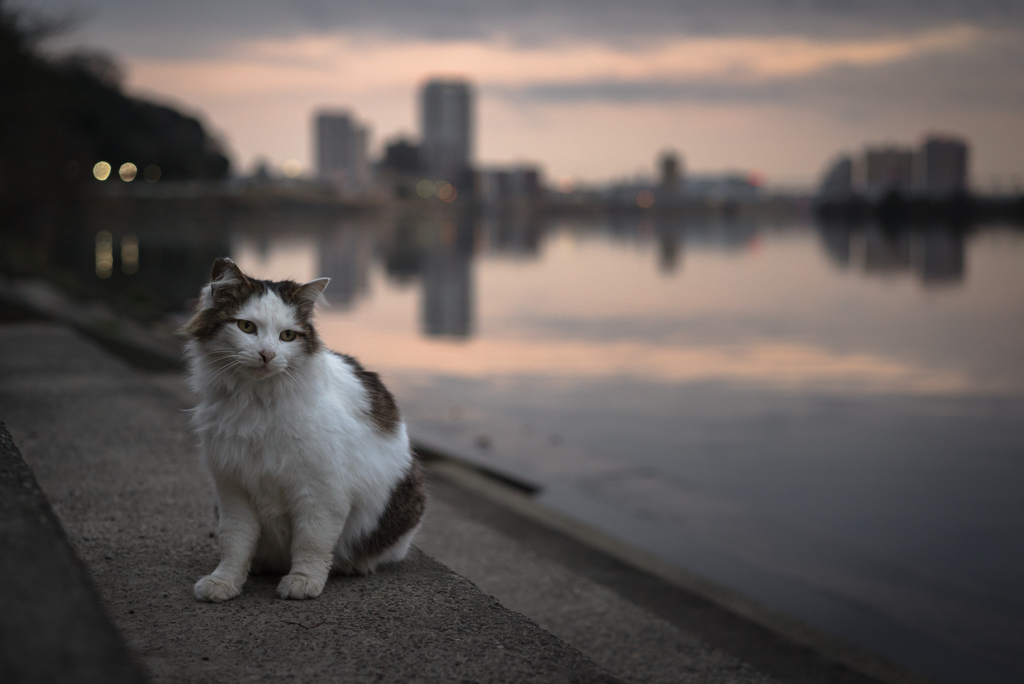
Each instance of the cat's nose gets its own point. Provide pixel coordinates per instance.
(267, 355)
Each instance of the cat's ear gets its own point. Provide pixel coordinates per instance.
(313, 291)
(226, 271)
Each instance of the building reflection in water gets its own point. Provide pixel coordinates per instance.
(346, 254)
(437, 250)
(670, 250)
(935, 254)
(512, 233)
(448, 278)
(940, 256)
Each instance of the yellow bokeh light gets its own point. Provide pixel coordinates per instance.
(104, 251)
(129, 254)
(424, 188)
(292, 168)
(127, 172)
(101, 170)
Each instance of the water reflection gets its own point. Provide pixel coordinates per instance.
(345, 257)
(669, 244)
(512, 233)
(724, 395)
(448, 279)
(165, 251)
(934, 254)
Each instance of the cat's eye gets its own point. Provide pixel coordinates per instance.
(288, 335)
(247, 327)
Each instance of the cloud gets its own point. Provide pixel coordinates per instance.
(680, 68)
(986, 78)
(199, 27)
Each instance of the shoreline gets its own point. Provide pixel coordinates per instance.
(744, 627)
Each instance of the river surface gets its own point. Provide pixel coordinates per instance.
(830, 420)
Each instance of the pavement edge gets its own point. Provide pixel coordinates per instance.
(52, 626)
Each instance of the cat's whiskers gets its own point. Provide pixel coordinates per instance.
(219, 374)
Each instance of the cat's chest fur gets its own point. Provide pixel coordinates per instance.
(308, 427)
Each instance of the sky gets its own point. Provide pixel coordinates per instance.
(590, 89)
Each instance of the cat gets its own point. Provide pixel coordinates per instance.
(308, 452)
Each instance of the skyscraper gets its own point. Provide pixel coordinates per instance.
(341, 151)
(671, 167)
(943, 166)
(446, 117)
(884, 169)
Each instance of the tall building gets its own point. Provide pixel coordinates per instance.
(837, 184)
(446, 118)
(885, 169)
(942, 166)
(341, 151)
(400, 169)
(671, 167)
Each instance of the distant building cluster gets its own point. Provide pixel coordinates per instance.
(937, 169)
(674, 187)
(440, 163)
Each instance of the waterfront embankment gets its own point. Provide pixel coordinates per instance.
(110, 448)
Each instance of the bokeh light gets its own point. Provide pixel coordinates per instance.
(152, 173)
(101, 170)
(424, 188)
(104, 249)
(447, 192)
(292, 168)
(127, 172)
(129, 254)
(645, 199)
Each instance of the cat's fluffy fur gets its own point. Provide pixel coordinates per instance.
(308, 453)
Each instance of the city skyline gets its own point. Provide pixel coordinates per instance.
(732, 86)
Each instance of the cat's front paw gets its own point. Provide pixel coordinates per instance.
(215, 589)
(299, 586)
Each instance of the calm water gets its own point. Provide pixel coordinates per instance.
(829, 420)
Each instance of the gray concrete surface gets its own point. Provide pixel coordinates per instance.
(111, 448)
(598, 594)
(619, 635)
(52, 627)
(112, 452)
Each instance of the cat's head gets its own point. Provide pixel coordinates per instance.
(254, 328)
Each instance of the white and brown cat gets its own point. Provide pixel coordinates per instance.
(308, 452)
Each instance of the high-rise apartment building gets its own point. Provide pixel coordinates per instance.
(446, 118)
(671, 167)
(884, 169)
(942, 166)
(341, 151)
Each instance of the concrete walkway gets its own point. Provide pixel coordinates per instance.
(112, 452)
(111, 449)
